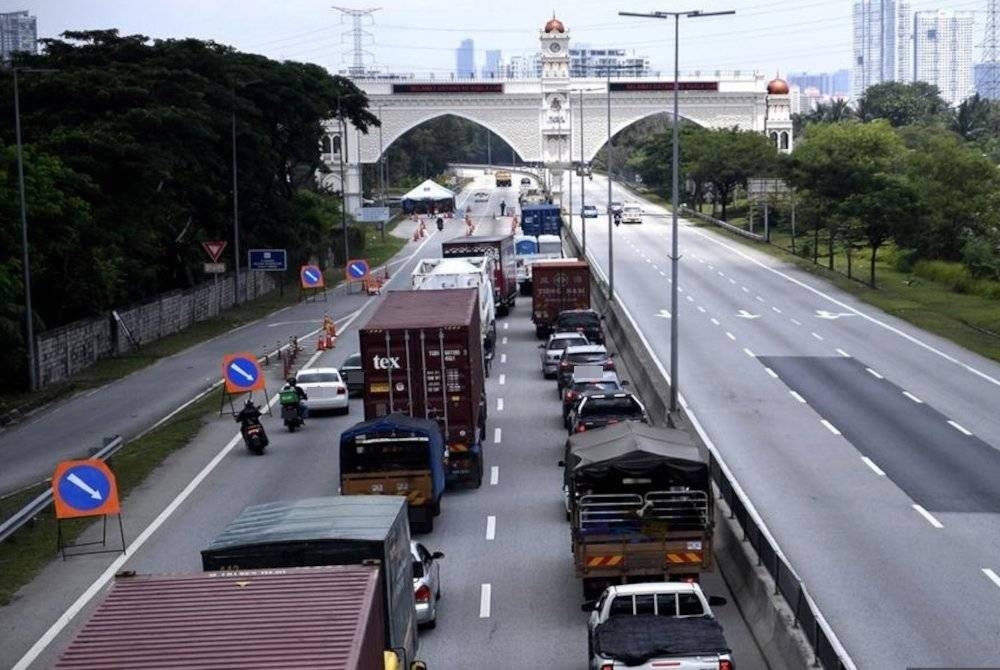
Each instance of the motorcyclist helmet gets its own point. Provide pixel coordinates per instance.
(291, 381)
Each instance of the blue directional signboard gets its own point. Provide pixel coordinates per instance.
(241, 373)
(84, 488)
(268, 260)
(312, 277)
(357, 268)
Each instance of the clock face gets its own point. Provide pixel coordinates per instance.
(555, 47)
(556, 105)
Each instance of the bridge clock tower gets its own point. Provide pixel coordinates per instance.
(555, 116)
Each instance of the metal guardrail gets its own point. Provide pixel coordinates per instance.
(35, 507)
(692, 214)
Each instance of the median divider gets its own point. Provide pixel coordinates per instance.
(784, 620)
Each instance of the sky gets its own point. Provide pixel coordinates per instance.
(421, 36)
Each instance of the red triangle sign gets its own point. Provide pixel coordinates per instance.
(214, 249)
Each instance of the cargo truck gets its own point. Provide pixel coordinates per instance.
(339, 530)
(396, 455)
(640, 505)
(275, 618)
(541, 219)
(440, 273)
(531, 250)
(501, 249)
(422, 354)
(503, 178)
(557, 285)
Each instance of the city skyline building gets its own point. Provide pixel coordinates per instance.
(881, 43)
(465, 60)
(586, 61)
(942, 52)
(494, 66)
(18, 33)
(836, 84)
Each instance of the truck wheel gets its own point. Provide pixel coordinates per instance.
(428, 526)
(436, 507)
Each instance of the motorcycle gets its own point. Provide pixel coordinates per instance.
(292, 416)
(253, 433)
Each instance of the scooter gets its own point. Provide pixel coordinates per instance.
(291, 414)
(253, 435)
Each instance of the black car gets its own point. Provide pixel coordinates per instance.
(587, 354)
(587, 383)
(585, 321)
(353, 374)
(600, 409)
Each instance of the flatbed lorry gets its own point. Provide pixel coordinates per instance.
(422, 356)
(501, 249)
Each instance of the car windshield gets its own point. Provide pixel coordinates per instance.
(317, 377)
(623, 406)
(563, 342)
(574, 320)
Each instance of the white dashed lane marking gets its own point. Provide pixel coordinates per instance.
(871, 464)
(499, 404)
(913, 397)
(776, 310)
(494, 475)
(874, 374)
(771, 372)
(491, 527)
(992, 576)
(817, 335)
(797, 396)
(484, 601)
(730, 336)
(843, 353)
(927, 515)
(715, 321)
(959, 428)
(830, 427)
(503, 379)
(496, 435)
(749, 353)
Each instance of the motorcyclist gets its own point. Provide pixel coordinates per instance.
(618, 218)
(292, 385)
(249, 414)
(440, 223)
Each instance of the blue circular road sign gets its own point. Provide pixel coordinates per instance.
(311, 276)
(84, 487)
(242, 372)
(358, 269)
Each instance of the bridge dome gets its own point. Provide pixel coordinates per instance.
(554, 25)
(777, 86)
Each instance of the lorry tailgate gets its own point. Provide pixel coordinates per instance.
(414, 485)
(609, 556)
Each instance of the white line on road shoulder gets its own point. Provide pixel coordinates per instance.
(993, 577)
(927, 515)
(496, 435)
(830, 427)
(797, 396)
(771, 372)
(959, 428)
(491, 527)
(730, 336)
(503, 379)
(871, 464)
(494, 475)
(484, 601)
(499, 404)
(874, 374)
(913, 397)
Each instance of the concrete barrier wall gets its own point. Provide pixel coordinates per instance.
(769, 617)
(64, 351)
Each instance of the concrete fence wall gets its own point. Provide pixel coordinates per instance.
(64, 351)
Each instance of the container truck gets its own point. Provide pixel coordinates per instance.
(442, 273)
(501, 249)
(530, 250)
(541, 219)
(557, 285)
(274, 618)
(396, 455)
(640, 505)
(422, 354)
(503, 178)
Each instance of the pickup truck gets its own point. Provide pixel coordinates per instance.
(656, 625)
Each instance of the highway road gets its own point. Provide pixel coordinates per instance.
(509, 595)
(869, 447)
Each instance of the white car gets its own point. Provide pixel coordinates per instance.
(426, 583)
(589, 212)
(552, 350)
(325, 388)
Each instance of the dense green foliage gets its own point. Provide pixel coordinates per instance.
(128, 154)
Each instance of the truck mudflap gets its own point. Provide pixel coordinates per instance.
(464, 466)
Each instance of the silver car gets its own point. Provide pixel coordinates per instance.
(552, 350)
(426, 583)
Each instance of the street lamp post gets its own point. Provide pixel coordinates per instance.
(343, 179)
(675, 183)
(583, 193)
(611, 237)
(236, 214)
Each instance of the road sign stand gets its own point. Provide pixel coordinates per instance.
(62, 545)
(310, 294)
(264, 406)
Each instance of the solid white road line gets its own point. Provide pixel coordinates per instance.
(484, 601)
(830, 427)
(730, 336)
(503, 358)
(797, 397)
(503, 379)
(496, 435)
(913, 397)
(927, 515)
(959, 428)
(817, 335)
(749, 353)
(491, 527)
(499, 404)
(871, 464)
(843, 353)
(993, 577)
(874, 374)
(771, 372)
(494, 475)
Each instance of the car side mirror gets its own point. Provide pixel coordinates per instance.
(588, 606)
(437, 554)
(717, 601)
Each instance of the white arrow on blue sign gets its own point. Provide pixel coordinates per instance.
(84, 487)
(242, 372)
(358, 269)
(311, 275)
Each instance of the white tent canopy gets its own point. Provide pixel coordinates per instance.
(429, 190)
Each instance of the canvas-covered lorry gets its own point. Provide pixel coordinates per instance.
(396, 455)
(640, 505)
(501, 249)
(557, 285)
(338, 530)
(440, 273)
(422, 356)
(322, 617)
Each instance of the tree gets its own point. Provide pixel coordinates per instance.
(973, 118)
(903, 104)
(885, 210)
(727, 158)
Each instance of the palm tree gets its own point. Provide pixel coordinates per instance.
(972, 118)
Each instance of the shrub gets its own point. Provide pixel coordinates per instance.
(981, 259)
(902, 260)
(951, 274)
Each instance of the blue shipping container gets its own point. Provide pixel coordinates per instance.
(541, 220)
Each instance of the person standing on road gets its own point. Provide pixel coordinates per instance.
(503, 207)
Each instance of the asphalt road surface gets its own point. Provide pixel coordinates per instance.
(509, 594)
(869, 447)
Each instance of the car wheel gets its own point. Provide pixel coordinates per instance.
(432, 624)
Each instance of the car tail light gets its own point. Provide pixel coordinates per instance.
(570, 395)
(423, 594)
(565, 364)
(725, 665)
(608, 666)
(580, 428)
(341, 390)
